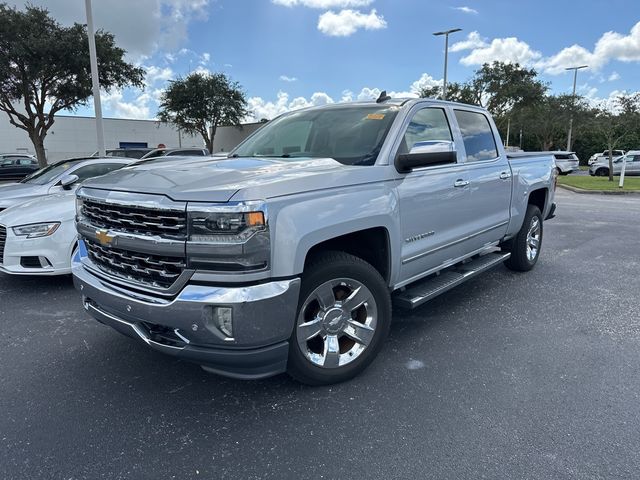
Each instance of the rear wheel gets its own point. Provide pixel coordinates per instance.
(343, 317)
(525, 246)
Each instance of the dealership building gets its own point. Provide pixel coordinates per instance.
(72, 136)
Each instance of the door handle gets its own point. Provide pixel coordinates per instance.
(505, 175)
(461, 183)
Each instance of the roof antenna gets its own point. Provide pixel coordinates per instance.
(383, 97)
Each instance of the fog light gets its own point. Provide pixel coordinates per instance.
(223, 320)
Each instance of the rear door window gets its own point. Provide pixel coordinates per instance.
(477, 135)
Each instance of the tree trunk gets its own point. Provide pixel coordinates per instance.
(610, 164)
(38, 145)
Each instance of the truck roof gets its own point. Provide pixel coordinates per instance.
(396, 101)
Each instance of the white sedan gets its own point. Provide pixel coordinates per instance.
(38, 236)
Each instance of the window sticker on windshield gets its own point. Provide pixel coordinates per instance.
(375, 116)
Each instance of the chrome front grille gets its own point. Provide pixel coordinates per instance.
(166, 223)
(152, 270)
(3, 240)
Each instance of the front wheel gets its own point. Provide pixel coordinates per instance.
(344, 315)
(602, 172)
(525, 246)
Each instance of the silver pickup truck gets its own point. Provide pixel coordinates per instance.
(288, 255)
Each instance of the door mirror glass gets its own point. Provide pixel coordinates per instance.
(67, 181)
(426, 154)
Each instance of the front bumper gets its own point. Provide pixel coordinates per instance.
(54, 252)
(263, 319)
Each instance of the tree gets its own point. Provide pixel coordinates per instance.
(200, 103)
(45, 69)
(502, 87)
(615, 127)
(456, 92)
(547, 119)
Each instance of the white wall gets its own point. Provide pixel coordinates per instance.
(76, 136)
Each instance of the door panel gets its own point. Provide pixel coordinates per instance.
(490, 178)
(433, 217)
(433, 210)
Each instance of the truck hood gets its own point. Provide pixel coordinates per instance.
(13, 193)
(58, 207)
(222, 179)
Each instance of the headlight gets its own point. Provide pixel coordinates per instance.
(79, 203)
(228, 238)
(36, 230)
(224, 227)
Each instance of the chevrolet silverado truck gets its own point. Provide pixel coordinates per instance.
(288, 255)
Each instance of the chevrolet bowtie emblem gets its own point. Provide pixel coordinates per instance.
(103, 237)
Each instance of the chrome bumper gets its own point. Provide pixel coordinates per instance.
(263, 319)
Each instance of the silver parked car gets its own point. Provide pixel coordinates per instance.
(56, 177)
(566, 162)
(601, 167)
(600, 155)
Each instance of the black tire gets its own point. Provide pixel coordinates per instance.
(326, 267)
(602, 172)
(520, 260)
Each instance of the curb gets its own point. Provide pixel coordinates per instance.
(599, 192)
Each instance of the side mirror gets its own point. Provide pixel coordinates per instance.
(425, 154)
(68, 180)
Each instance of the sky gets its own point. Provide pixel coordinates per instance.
(288, 54)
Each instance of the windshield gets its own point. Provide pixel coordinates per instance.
(48, 173)
(350, 135)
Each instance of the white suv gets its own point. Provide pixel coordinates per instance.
(596, 156)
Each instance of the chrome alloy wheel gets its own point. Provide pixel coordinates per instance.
(533, 239)
(336, 323)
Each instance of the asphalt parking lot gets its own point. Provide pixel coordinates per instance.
(523, 376)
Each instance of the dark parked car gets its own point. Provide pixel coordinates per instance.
(173, 152)
(16, 166)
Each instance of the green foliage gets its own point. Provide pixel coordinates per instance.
(519, 102)
(200, 103)
(45, 68)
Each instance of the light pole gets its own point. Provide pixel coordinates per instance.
(573, 100)
(95, 82)
(446, 56)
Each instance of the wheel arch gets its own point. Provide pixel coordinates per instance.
(371, 245)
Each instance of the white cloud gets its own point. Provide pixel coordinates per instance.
(261, 108)
(347, 22)
(473, 41)
(609, 47)
(141, 27)
(424, 81)
(469, 10)
(157, 74)
(286, 78)
(324, 4)
(115, 105)
(613, 77)
(508, 50)
(204, 58)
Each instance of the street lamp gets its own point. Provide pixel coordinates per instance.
(93, 62)
(446, 56)
(573, 99)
